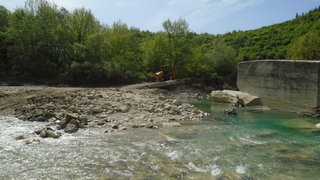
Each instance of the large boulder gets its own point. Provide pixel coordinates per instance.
(230, 96)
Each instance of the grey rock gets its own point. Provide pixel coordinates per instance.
(135, 126)
(234, 96)
(196, 111)
(63, 123)
(70, 116)
(2, 94)
(72, 109)
(64, 107)
(21, 137)
(101, 123)
(71, 128)
(43, 133)
(232, 112)
(32, 141)
(96, 110)
(124, 108)
(167, 107)
(177, 102)
(115, 126)
(123, 128)
(53, 134)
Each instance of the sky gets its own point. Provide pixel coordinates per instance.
(203, 16)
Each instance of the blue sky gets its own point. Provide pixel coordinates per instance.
(211, 16)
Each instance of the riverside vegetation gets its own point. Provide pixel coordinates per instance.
(41, 43)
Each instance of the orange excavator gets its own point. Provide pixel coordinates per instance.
(167, 73)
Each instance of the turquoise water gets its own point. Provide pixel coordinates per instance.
(255, 144)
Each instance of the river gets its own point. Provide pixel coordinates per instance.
(255, 144)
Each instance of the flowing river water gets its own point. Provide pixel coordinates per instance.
(255, 144)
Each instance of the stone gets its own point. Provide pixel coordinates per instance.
(135, 126)
(38, 131)
(230, 96)
(21, 137)
(240, 102)
(71, 128)
(101, 123)
(83, 120)
(123, 128)
(124, 108)
(177, 102)
(37, 112)
(171, 124)
(115, 126)
(41, 118)
(63, 123)
(72, 109)
(64, 107)
(70, 116)
(167, 107)
(196, 111)
(96, 110)
(2, 94)
(43, 133)
(162, 98)
(232, 112)
(32, 141)
(53, 134)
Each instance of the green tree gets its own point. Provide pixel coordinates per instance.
(178, 34)
(307, 47)
(156, 52)
(4, 17)
(36, 40)
(221, 61)
(82, 23)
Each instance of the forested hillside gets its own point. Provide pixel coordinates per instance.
(43, 43)
(276, 41)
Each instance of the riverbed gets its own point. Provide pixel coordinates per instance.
(255, 144)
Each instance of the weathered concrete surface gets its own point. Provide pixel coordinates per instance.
(295, 82)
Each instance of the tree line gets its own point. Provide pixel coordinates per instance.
(43, 43)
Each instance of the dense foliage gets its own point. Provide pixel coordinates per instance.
(43, 43)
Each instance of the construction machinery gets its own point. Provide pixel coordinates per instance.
(166, 73)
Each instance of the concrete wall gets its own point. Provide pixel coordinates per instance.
(295, 82)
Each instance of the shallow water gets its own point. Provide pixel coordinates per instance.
(255, 144)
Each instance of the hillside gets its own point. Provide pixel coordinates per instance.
(272, 42)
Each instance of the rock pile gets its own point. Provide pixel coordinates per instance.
(111, 108)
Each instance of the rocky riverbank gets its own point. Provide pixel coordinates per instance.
(113, 109)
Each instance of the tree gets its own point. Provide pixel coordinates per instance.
(156, 52)
(82, 23)
(221, 61)
(4, 19)
(307, 47)
(179, 27)
(177, 32)
(36, 40)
